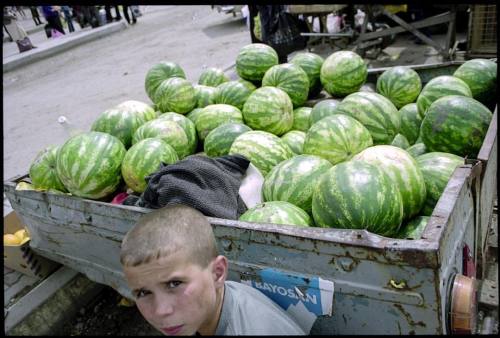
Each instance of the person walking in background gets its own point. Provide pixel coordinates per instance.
(20, 10)
(51, 14)
(125, 14)
(109, 17)
(67, 17)
(16, 31)
(35, 15)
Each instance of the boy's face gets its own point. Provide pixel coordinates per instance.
(176, 296)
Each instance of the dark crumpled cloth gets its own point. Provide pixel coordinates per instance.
(210, 185)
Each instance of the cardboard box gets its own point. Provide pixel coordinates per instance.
(21, 258)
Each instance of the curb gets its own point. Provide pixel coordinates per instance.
(55, 46)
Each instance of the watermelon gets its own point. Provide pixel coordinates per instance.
(400, 141)
(147, 112)
(213, 116)
(291, 79)
(399, 84)
(233, 93)
(175, 95)
(295, 140)
(438, 87)
(143, 159)
(311, 63)
(188, 126)
(89, 164)
(336, 138)
(414, 228)
(294, 180)
(322, 109)
(219, 140)
(254, 60)
(481, 77)
(169, 131)
(269, 109)
(212, 77)
(403, 170)
(160, 72)
(410, 122)
(375, 112)
(263, 149)
(193, 114)
(277, 212)
(358, 195)
(301, 118)
(205, 95)
(42, 170)
(437, 168)
(416, 150)
(343, 73)
(247, 84)
(455, 124)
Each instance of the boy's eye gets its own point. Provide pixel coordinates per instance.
(141, 293)
(173, 284)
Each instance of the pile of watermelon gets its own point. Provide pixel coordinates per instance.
(370, 156)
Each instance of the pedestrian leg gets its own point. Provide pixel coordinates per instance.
(109, 17)
(125, 14)
(118, 16)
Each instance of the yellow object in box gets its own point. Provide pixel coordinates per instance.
(10, 239)
(396, 8)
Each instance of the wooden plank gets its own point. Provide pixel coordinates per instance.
(451, 34)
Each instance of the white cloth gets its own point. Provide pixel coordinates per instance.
(16, 31)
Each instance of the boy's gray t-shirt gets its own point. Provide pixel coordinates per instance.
(246, 311)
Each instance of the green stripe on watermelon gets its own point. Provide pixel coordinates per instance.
(322, 109)
(301, 118)
(414, 228)
(399, 84)
(147, 112)
(295, 140)
(254, 60)
(160, 72)
(212, 77)
(42, 170)
(188, 126)
(205, 95)
(311, 63)
(343, 73)
(219, 140)
(213, 116)
(292, 79)
(480, 75)
(410, 122)
(175, 95)
(193, 114)
(233, 93)
(277, 212)
(400, 141)
(417, 149)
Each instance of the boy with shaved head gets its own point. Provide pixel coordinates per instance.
(171, 264)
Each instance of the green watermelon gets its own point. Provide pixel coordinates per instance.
(143, 159)
(336, 138)
(175, 95)
(188, 126)
(481, 77)
(294, 180)
(247, 84)
(301, 118)
(416, 150)
(438, 87)
(311, 63)
(277, 212)
(343, 73)
(89, 164)
(291, 79)
(358, 195)
(455, 124)
(219, 140)
(213, 116)
(375, 112)
(322, 109)
(233, 93)
(403, 170)
(212, 77)
(254, 60)
(410, 122)
(400, 141)
(269, 109)
(399, 84)
(263, 149)
(193, 114)
(42, 170)
(205, 95)
(414, 228)
(145, 110)
(295, 140)
(437, 168)
(169, 131)
(160, 72)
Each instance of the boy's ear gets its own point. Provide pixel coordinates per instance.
(219, 270)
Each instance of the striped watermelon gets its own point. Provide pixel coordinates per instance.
(358, 195)
(247, 84)
(269, 109)
(437, 168)
(399, 84)
(322, 109)
(416, 150)
(343, 73)
(375, 112)
(455, 124)
(291, 79)
(188, 126)
(175, 95)
(263, 149)
(193, 114)
(169, 131)
(400, 141)
(294, 180)
(414, 228)
(438, 87)
(277, 212)
(233, 93)
(219, 140)
(89, 164)
(403, 170)
(143, 159)
(311, 63)
(160, 72)
(145, 110)
(205, 95)
(481, 77)
(212, 77)
(213, 116)
(295, 140)
(336, 138)
(254, 60)
(42, 170)
(301, 118)
(410, 122)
